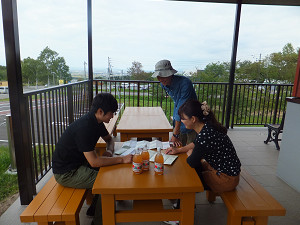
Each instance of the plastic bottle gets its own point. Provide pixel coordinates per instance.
(145, 157)
(137, 162)
(159, 163)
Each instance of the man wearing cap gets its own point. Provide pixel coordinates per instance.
(180, 89)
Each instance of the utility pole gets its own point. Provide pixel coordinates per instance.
(259, 64)
(109, 70)
(84, 65)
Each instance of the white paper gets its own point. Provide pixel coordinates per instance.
(165, 145)
(129, 151)
(168, 159)
(121, 150)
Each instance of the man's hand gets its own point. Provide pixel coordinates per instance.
(172, 151)
(176, 141)
(127, 158)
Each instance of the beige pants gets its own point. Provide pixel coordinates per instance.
(218, 182)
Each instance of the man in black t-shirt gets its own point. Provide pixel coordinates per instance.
(74, 161)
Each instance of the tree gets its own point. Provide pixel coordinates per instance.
(282, 65)
(33, 71)
(3, 75)
(213, 72)
(250, 72)
(56, 67)
(137, 73)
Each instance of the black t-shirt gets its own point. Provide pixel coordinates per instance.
(217, 149)
(81, 136)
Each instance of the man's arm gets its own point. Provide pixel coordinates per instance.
(110, 145)
(176, 131)
(96, 161)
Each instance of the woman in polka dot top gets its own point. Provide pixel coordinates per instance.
(212, 154)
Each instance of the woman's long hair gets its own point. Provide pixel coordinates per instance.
(193, 108)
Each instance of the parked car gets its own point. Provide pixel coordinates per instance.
(124, 85)
(145, 86)
(3, 90)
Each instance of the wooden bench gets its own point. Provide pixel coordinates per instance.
(111, 128)
(55, 203)
(249, 203)
(273, 132)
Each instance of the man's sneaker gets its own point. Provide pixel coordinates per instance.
(171, 222)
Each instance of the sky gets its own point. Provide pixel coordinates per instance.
(189, 34)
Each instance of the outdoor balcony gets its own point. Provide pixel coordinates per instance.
(47, 113)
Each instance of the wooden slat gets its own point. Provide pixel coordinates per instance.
(147, 205)
(55, 213)
(74, 205)
(251, 199)
(276, 209)
(42, 213)
(153, 215)
(27, 214)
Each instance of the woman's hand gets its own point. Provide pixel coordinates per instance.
(172, 151)
(189, 152)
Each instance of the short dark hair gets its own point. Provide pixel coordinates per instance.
(104, 101)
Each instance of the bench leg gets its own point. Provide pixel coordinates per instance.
(233, 220)
(276, 141)
(269, 136)
(211, 196)
(261, 220)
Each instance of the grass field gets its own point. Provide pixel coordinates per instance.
(8, 182)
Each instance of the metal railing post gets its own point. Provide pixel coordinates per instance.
(276, 104)
(11, 145)
(17, 101)
(233, 61)
(70, 104)
(138, 95)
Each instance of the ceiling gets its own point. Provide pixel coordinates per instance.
(256, 2)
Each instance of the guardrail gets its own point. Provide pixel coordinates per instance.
(51, 110)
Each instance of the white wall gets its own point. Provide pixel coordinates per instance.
(288, 167)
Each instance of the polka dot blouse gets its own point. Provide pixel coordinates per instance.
(217, 149)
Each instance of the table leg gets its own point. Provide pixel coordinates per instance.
(261, 220)
(165, 137)
(108, 210)
(123, 137)
(187, 205)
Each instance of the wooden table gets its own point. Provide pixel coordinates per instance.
(144, 122)
(147, 190)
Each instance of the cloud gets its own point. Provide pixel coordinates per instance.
(190, 34)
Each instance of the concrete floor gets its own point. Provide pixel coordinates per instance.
(259, 159)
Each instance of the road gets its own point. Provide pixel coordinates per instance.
(5, 110)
